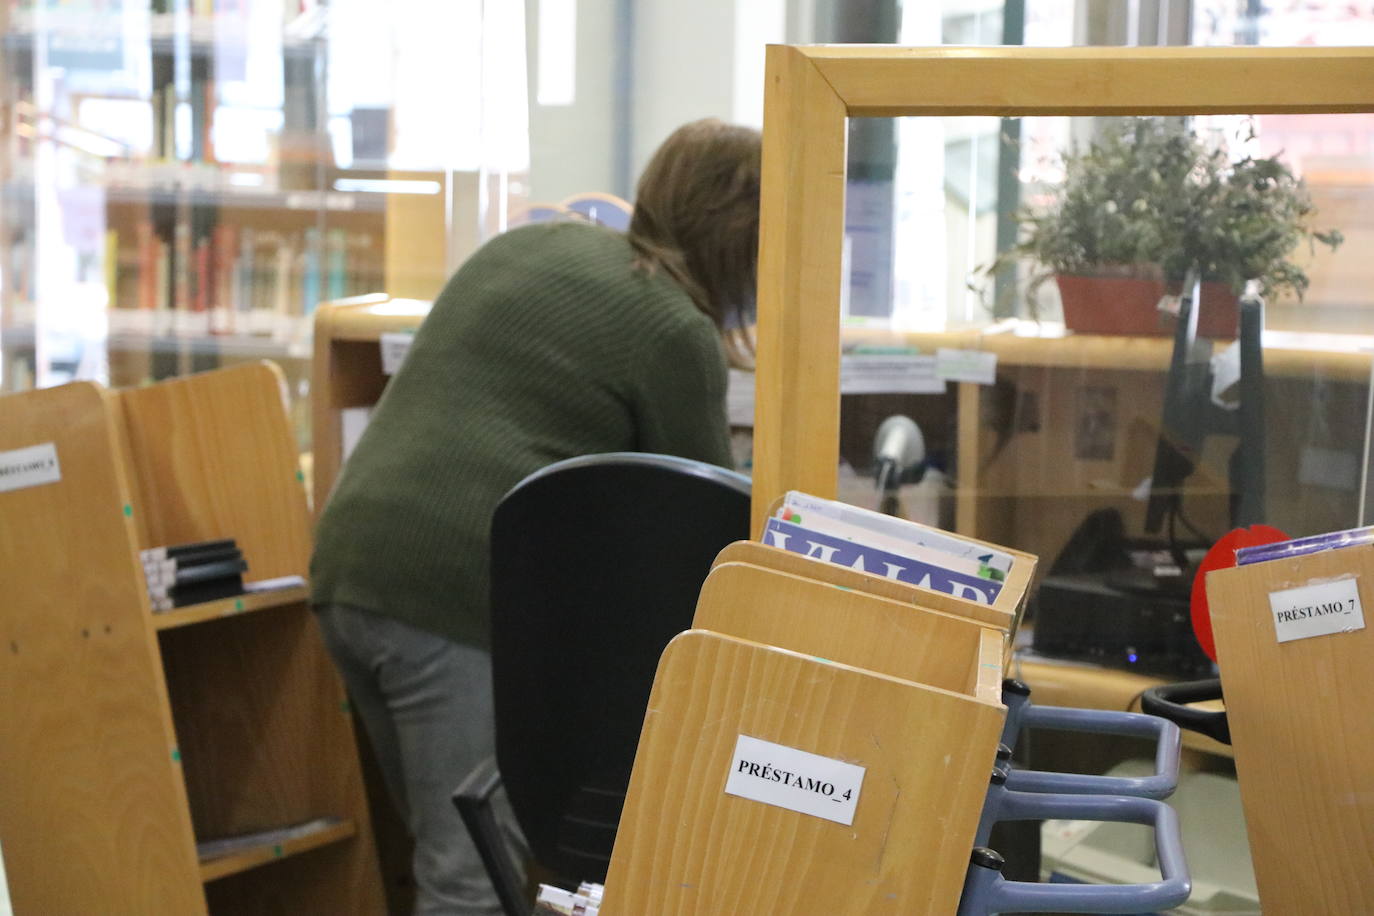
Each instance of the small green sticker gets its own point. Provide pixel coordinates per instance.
(300, 475)
(176, 755)
(128, 510)
(238, 604)
(276, 851)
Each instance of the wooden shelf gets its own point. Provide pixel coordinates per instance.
(198, 731)
(234, 863)
(230, 607)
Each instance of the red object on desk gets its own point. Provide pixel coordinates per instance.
(1222, 556)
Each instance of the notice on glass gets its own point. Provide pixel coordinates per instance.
(29, 467)
(739, 398)
(1317, 610)
(977, 366)
(785, 777)
(889, 373)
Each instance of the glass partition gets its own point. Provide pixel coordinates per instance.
(1036, 421)
(183, 181)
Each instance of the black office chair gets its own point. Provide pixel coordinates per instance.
(596, 563)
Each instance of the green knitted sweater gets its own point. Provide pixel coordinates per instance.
(546, 344)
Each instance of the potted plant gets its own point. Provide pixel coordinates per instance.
(1147, 200)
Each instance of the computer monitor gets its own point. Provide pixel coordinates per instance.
(1189, 416)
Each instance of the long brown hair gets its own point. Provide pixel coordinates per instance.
(696, 217)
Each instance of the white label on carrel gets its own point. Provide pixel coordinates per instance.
(799, 781)
(29, 467)
(1317, 610)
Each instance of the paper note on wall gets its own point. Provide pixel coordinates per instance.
(978, 366)
(352, 422)
(395, 346)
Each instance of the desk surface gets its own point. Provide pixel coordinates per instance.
(1016, 343)
(369, 317)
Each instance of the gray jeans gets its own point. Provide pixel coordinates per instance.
(427, 707)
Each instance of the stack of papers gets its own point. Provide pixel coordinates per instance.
(585, 901)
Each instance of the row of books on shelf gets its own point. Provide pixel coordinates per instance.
(235, 271)
(183, 574)
(180, 575)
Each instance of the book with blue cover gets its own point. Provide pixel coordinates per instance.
(898, 535)
(925, 572)
(1282, 550)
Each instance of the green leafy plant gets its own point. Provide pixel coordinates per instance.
(1149, 197)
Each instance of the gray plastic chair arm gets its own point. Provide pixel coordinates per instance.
(1168, 741)
(987, 892)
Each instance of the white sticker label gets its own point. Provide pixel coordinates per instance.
(1317, 610)
(29, 467)
(739, 398)
(788, 778)
(978, 366)
(395, 345)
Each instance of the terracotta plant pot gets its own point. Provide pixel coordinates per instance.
(1129, 305)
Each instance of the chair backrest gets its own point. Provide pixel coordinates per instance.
(596, 563)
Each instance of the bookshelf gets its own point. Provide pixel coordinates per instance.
(183, 181)
(131, 737)
(168, 197)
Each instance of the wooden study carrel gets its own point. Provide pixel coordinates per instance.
(128, 737)
(776, 673)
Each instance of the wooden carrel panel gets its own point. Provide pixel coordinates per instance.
(213, 457)
(1299, 713)
(842, 576)
(852, 628)
(685, 847)
(92, 805)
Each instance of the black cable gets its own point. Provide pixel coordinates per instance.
(1193, 529)
(1175, 551)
